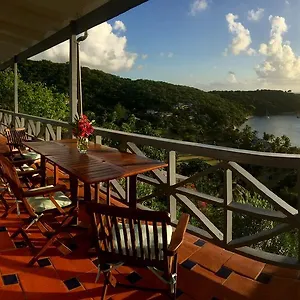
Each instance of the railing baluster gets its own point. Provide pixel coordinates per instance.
(58, 132)
(227, 201)
(171, 179)
(37, 128)
(47, 133)
(99, 139)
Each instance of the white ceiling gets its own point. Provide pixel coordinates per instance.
(25, 23)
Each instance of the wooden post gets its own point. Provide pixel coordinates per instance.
(16, 96)
(171, 181)
(227, 201)
(73, 79)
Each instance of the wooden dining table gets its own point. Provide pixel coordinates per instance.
(99, 164)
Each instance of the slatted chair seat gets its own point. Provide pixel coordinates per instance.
(138, 238)
(148, 249)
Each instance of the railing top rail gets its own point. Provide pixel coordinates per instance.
(279, 160)
(36, 118)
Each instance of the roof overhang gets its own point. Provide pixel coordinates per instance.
(28, 27)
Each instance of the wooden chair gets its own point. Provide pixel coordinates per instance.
(27, 175)
(44, 205)
(15, 139)
(138, 238)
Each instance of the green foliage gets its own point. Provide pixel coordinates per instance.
(34, 98)
(262, 102)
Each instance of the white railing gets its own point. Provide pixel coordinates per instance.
(174, 186)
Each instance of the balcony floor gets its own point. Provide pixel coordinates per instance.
(205, 272)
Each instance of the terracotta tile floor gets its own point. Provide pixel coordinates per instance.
(205, 272)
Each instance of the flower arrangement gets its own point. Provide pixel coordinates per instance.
(82, 127)
(82, 130)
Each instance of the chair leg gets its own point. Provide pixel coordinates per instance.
(107, 276)
(45, 247)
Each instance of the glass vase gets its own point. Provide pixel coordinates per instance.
(82, 144)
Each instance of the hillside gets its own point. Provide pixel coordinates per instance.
(170, 110)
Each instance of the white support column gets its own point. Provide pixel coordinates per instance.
(16, 95)
(73, 78)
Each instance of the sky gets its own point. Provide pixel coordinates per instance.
(207, 44)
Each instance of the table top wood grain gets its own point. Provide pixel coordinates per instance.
(101, 163)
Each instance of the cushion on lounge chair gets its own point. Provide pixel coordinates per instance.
(25, 168)
(144, 237)
(31, 155)
(41, 204)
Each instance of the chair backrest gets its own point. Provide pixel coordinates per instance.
(9, 172)
(128, 235)
(15, 137)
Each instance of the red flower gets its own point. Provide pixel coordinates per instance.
(82, 127)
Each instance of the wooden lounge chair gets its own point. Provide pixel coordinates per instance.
(15, 139)
(138, 238)
(44, 205)
(28, 175)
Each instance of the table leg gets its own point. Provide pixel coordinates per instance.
(97, 192)
(56, 177)
(132, 191)
(87, 192)
(43, 170)
(108, 193)
(73, 188)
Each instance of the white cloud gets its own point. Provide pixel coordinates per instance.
(225, 52)
(256, 15)
(198, 6)
(119, 25)
(287, 2)
(281, 65)
(140, 67)
(144, 56)
(162, 54)
(231, 77)
(103, 49)
(170, 55)
(241, 40)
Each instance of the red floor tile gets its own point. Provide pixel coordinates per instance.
(245, 266)
(6, 242)
(211, 257)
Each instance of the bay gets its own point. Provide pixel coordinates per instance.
(288, 125)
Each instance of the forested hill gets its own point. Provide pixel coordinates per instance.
(261, 102)
(165, 109)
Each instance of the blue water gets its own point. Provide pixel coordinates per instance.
(277, 125)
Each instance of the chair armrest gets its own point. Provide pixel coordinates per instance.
(28, 172)
(21, 162)
(44, 190)
(178, 234)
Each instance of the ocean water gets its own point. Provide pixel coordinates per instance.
(288, 125)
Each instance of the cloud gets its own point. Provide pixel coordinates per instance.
(168, 55)
(144, 56)
(281, 65)
(287, 2)
(241, 40)
(255, 16)
(140, 67)
(104, 49)
(231, 77)
(119, 25)
(198, 6)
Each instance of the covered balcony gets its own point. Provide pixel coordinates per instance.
(213, 262)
